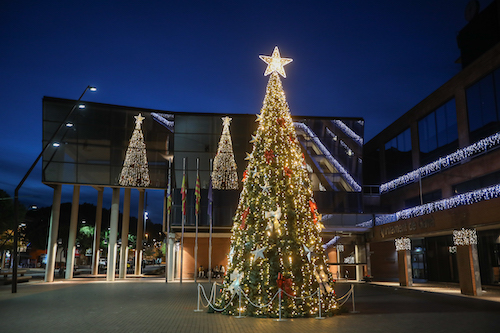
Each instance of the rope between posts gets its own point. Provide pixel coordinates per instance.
(259, 306)
(210, 303)
(346, 296)
(214, 291)
(296, 297)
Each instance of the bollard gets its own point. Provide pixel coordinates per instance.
(319, 303)
(279, 301)
(198, 307)
(353, 304)
(239, 305)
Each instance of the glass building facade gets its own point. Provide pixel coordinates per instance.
(92, 150)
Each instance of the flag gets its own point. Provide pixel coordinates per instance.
(197, 194)
(184, 193)
(210, 199)
(169, 196)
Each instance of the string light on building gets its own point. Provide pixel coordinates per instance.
(347, 130)
(464, 237)
(463, 199)
(402, 244)
(458, 156)
(347, 176)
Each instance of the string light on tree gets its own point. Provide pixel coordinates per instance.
(224, 175)
(135, 171)
(275, 240)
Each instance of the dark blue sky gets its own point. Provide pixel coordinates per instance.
(370, 59)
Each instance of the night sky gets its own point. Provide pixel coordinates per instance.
(370, 59)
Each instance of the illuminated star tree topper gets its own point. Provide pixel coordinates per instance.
(135, 171)
(275, 63)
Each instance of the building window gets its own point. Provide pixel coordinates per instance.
(398, 155)
(438, 133)
(477, 183)
(426, 198)
(482, 106)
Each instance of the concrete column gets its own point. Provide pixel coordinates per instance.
(415, 145)
(4, 252)
(462, 118)
(113, 234)
(53, 231)
(97, 232)
(73, 226)
(358, 256)
(140, 231)
(468, 269)
(404, 268)
(125, 225)
(171, 259)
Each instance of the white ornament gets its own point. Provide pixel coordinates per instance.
(308, 252)
(259, 252)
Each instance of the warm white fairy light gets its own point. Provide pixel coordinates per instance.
(444, 162)
(402, 244)
(354, 185)
(275, 63)
(224, 175)
(275, 237)
(135, 171)
(464, 237)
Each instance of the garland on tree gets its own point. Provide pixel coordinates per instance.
(276, 242)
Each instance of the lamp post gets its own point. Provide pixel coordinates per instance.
(16, 192)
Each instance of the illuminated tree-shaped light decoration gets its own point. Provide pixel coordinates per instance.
(135, 171)
(276, 242)
(224, 175)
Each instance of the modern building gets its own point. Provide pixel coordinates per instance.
(91, 148)
(438, 167)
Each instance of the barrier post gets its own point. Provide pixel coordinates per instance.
(319, 303)
(239, 305)
(279, 305)
(198, 306)
(353, 303)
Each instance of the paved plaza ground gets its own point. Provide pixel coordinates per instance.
(151, 305)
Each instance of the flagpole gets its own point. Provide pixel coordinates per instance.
(167, 222)
(183, 212)
(196, 198)
(210, 223)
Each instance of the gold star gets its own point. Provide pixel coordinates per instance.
(275, 63)
(138, 120)
(226, 121)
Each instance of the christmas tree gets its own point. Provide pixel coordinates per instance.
(224, 176)
(276, 242)
(135, 171)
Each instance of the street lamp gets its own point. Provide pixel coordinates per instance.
(16, 192)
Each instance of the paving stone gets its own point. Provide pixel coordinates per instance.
(151, 305)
